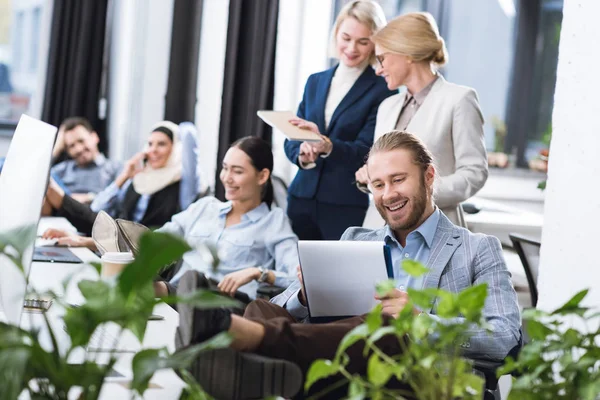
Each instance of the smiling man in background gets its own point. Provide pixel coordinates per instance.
(88, 171)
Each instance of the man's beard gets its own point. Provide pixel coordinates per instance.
(417, 203)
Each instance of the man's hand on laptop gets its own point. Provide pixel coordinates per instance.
(301, 295)
(394, 302)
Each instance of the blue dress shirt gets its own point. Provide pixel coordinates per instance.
(111, 198)
(418, 247)
(91, 178)
(264, 238)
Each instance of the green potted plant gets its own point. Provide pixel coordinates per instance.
(560, 361)
(423, 360)
(27, 366)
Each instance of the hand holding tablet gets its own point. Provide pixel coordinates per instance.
(280, 120)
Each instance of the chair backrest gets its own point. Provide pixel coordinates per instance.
(528, 250)
(280, 192)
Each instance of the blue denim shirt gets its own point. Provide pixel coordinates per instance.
(111, 198)
(263, 238)
(91, 178)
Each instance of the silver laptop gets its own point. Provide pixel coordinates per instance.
(340, 276)
(23, 182)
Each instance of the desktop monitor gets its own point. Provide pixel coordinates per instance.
(23, 182)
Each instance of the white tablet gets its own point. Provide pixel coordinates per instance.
(280, 121)
(340, 276)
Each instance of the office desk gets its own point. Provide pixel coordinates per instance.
(46, 276)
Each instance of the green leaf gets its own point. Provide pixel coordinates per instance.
(204, 299)
(156, 250)
(192, 390)
(358, 333)
(427, 362)
(356, 390)
(378, 371)
(571, 304)
(19, 238)
(146, 362)
(420, 328)
(374, 319)
(447, 306)
(533, 313)
(537, 330)
(542, 185)
(414, 268)
(424, 298)
(320, 369)
(383, 288)
(471, 301)
(381, 332)
(15, 354)
(590, 390)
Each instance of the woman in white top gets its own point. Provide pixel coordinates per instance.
(341, 105)
(444, 115)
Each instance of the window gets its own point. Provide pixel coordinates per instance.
(20, 36)
(36, 17)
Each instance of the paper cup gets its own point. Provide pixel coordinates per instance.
(114, 262)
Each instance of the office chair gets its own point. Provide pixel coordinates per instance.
(528, 250)
(487, 370)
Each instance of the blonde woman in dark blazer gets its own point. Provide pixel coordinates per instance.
(444, 115)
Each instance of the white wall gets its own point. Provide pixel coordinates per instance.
(139, 62)
(569, 262)
(303, 30)
(213, 40)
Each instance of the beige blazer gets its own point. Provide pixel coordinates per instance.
(450, 123)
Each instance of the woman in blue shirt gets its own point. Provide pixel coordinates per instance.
(255, 241)
(340, 104)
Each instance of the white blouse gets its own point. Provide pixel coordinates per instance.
(343, 80)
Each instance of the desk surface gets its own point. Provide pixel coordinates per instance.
(46, 276)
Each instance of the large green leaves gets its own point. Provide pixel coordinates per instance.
(15, 353)
(320, 369)
(156, 251)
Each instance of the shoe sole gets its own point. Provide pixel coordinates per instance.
(227, 374)
(105, 234)
(183, 335)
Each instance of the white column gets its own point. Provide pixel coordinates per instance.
(213, 42)
(139, 65)
(570, 239)
(303, 29)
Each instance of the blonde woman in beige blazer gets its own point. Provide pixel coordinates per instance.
(444, 115)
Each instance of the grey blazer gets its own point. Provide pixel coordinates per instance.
(458, 260)
(450, 123)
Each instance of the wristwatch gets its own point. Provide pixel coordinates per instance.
(264, 274)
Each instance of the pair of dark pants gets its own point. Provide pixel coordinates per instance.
(303, 343)
(314, 220)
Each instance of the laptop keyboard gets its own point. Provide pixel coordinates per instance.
(59, 255)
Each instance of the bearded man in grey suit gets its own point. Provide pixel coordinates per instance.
(271, 337)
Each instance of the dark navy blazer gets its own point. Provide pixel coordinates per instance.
(351, 131)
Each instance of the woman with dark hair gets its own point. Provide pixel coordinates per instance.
(255, 242)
